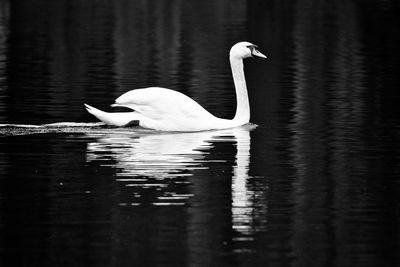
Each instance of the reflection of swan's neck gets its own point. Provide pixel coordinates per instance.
(243, 107)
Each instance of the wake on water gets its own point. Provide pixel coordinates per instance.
(62, 127)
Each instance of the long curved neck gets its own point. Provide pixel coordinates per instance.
(242, 99)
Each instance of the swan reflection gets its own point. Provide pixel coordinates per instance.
(162, 163)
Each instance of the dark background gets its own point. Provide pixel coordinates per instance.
(322, 173)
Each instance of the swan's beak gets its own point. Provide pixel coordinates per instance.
(257, 53)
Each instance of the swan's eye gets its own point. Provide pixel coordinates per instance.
(252, 48)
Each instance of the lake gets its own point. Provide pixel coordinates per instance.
(313, 181)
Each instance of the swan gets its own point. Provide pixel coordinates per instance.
(168, 110)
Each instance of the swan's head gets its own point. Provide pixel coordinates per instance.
(245, 50)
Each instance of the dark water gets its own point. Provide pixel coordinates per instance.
(317, 183)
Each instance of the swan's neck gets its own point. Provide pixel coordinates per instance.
(243, 108)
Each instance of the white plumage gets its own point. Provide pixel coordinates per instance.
(168, 110)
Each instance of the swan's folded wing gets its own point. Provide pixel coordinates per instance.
(157, 103)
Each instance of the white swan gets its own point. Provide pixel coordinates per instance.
(167, 110)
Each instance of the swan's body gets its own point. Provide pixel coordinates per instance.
(168, 110)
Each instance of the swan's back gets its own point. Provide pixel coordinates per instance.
(157, 101)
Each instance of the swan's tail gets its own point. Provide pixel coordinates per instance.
(116, 119)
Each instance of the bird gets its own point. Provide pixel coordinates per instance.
(165, 109)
